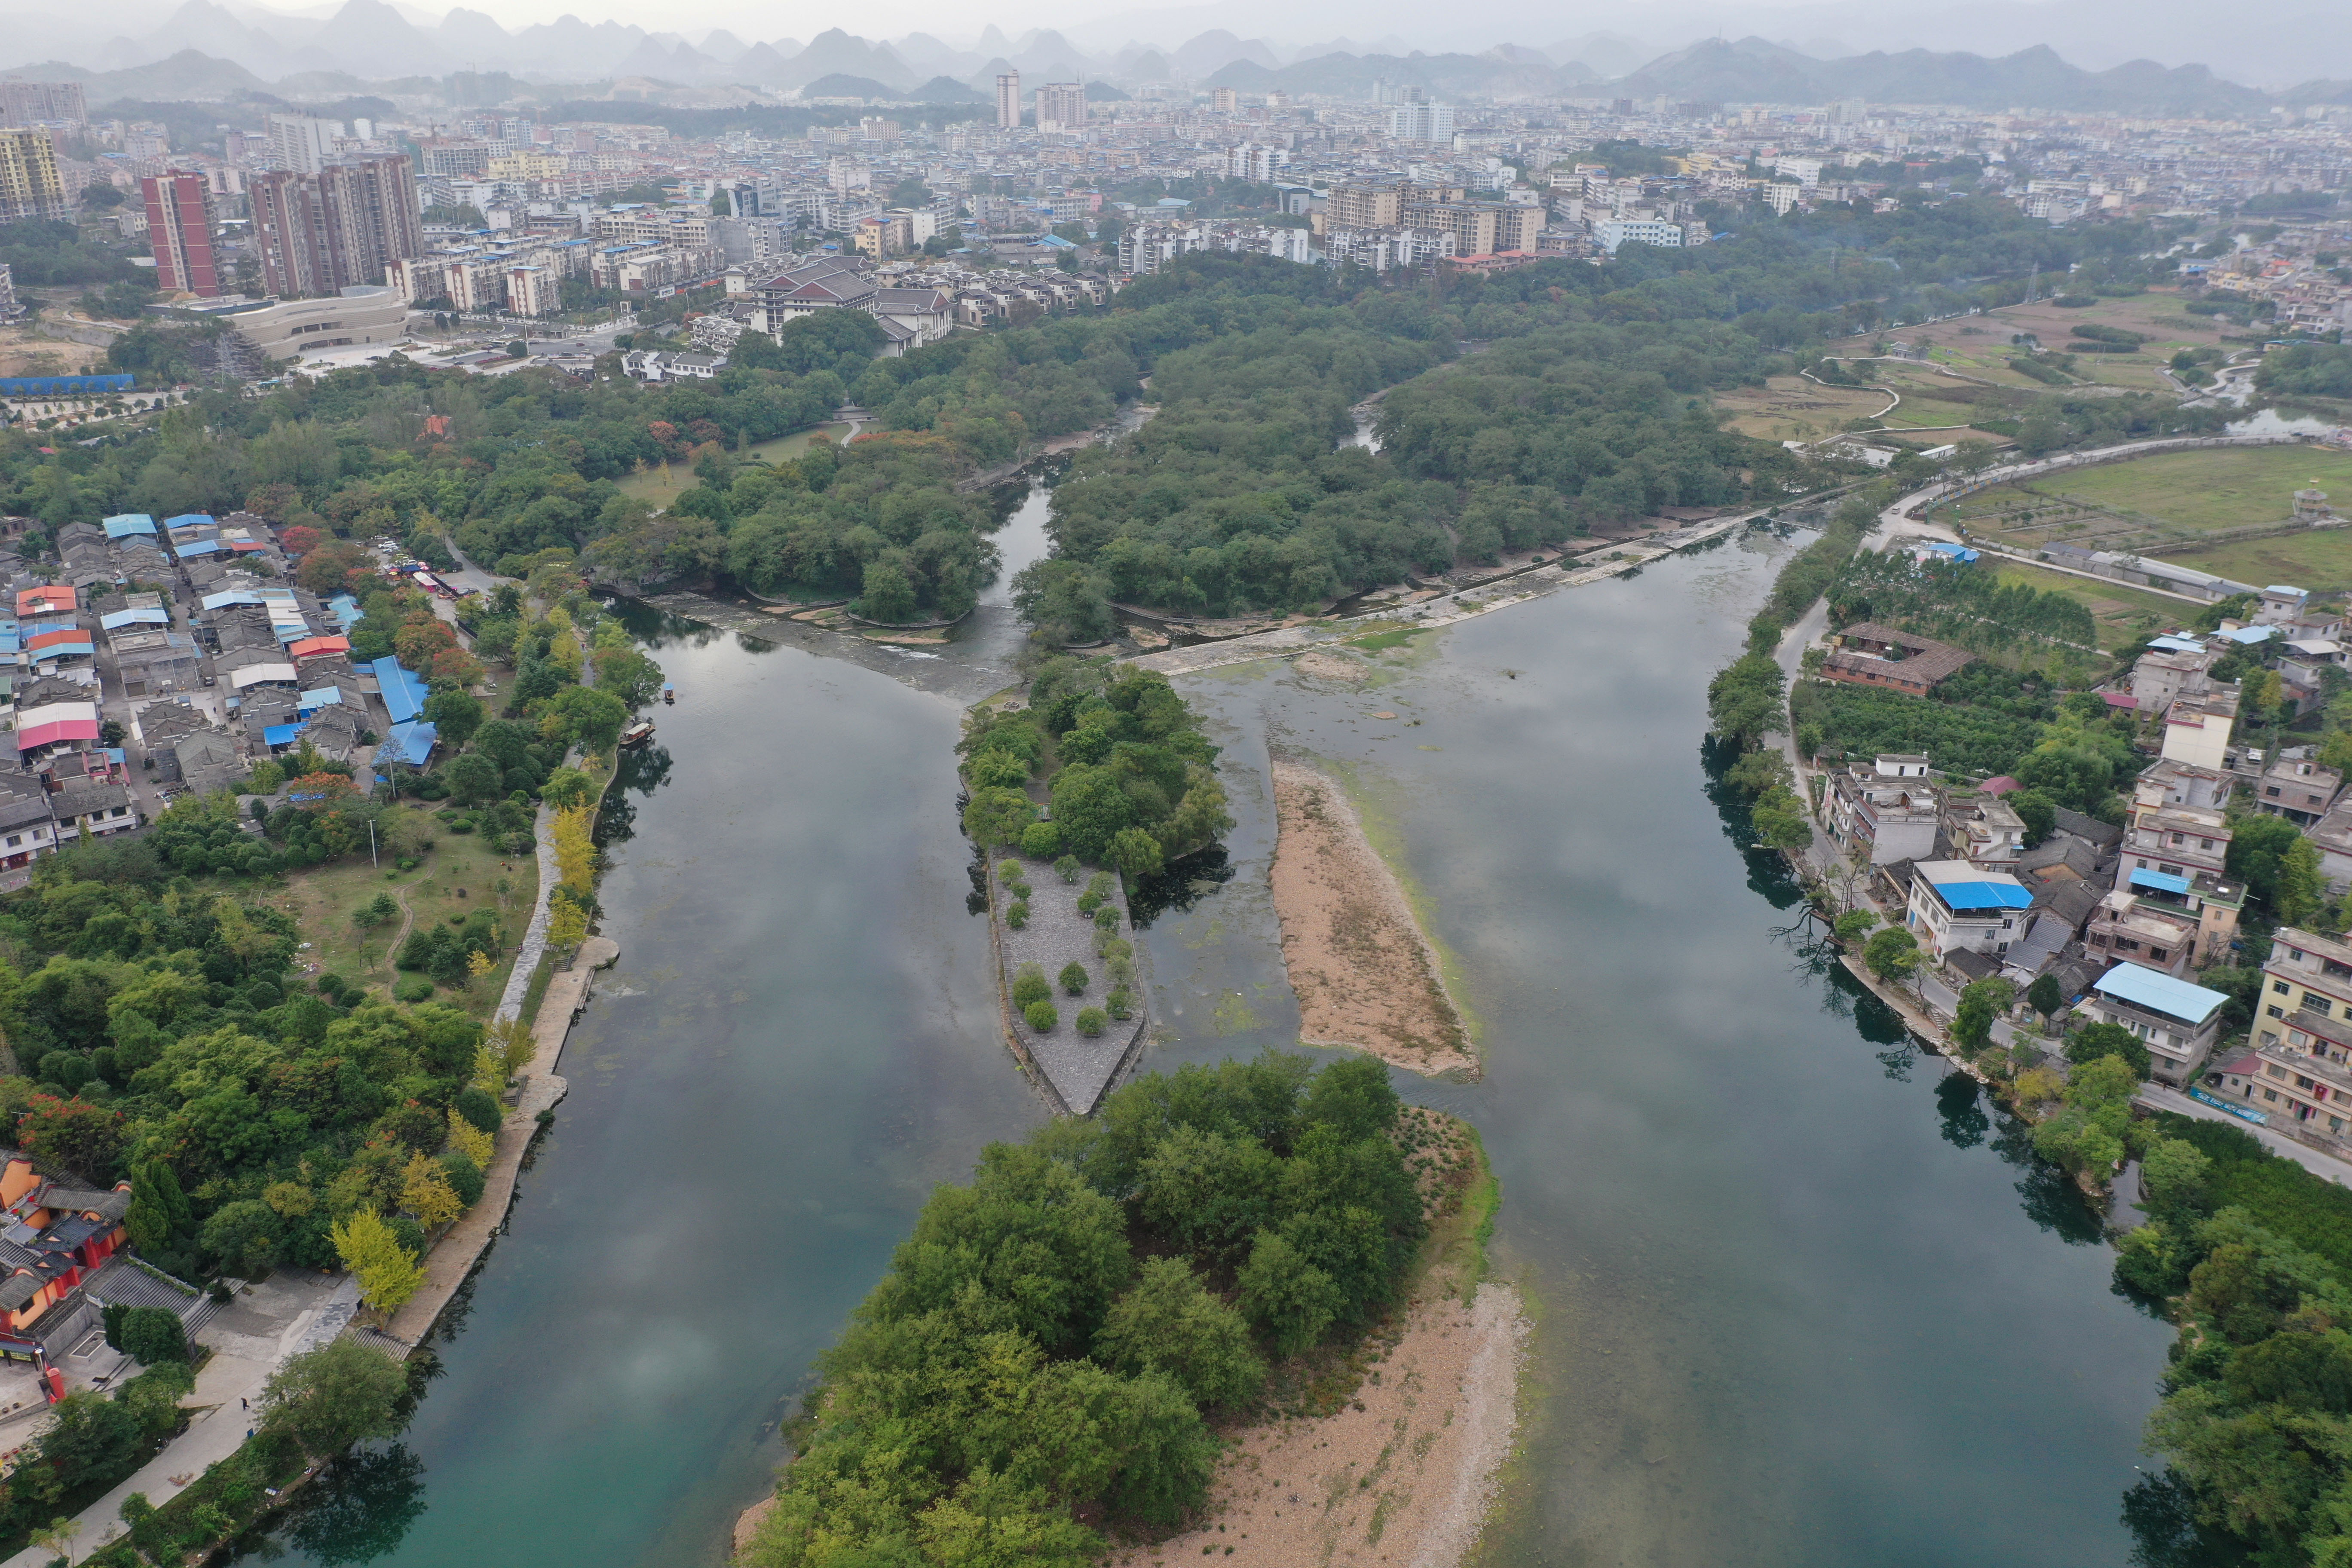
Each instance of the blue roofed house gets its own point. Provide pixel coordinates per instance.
(2178, 1020)
(1954, 906)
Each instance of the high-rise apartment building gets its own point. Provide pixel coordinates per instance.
(180, 229)
(1422, 123)
(29, 183)
(1062, 106)
(1226, 101)
(30, 102)
(351, 222)
(1008, 99)
(302, 143)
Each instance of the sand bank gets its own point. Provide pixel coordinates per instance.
(1363, 971)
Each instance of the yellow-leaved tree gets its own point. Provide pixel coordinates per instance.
(567, 924)
(470, 1141)
(387, 1273)
(575, 847)
(425, 1192)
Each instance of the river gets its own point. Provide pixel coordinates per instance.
(1800, 1300)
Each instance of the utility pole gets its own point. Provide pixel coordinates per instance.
(373, 864)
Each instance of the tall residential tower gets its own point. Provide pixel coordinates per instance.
(180, 228)
(1008, 99)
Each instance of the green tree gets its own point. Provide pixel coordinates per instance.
(455, 715)
(2302, 887)
(1746, 699)
(473, 779)
(1074, 978)
(1983, 1002)
(2044, 996)
(2093, 1041)
(1893, 954)
(2177, 1175)
(1170, 1322)
(330, 1398)
(588, 717)
(2036, 810)
(1855, 924)
(998, 816)
(152, 1335)
(1092, 808)
(1289, 1301)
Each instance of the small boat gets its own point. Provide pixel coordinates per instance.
(639, 733)
(669, 694)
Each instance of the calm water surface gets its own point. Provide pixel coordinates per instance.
(1800, 1301)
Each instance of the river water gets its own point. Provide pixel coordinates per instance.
(1799, 1299)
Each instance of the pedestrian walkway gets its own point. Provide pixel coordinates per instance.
(267, 1324)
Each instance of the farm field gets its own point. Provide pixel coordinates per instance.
(1790, 408)
(2227, 488)
(661, 486)
(457, 876)
(2124, 614)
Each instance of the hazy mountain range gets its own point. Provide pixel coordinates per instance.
(205, 50)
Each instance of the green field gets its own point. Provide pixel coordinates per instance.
(2125, 615)
(662, 486)
(2227, 488)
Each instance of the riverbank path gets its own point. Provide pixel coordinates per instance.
(291, 1312)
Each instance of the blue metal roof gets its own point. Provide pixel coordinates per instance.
(319, 696)
(128, 523)
(404, 691)
(345, 610)
(2160, 881)
(2171, 644)
(198, 547)
(280, 734)
(2288, 588)
(189, 519)
(411, 744)
(114, 619)
(2251, 634)
(2159, 992)
(1958, 552)
(1982, 895)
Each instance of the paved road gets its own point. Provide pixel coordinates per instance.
(2161, 1098)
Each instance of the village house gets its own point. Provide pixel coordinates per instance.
(1985, 831)
(2177, 1021)
(2297, 788)
(2197, 728)
(2295, 1063)
(1887, 809)
(1954, 905)
(2175, 841)
(1868, 654)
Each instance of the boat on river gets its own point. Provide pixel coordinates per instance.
(669, 694)
(639, 733)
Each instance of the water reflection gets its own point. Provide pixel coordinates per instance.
(1960, 1105)
(360, 1508)
(1179, 885)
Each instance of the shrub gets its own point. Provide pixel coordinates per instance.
(480, 1108)
(465, 1177)
(413, 988)
(1041, 840)
(1030, 985)
(1091, 1022)
(1016, 914)
(1020, 891)
(1106, 919)
(1042, 1016)
(1120, 1004)
(1066, 867)
(1089, 902)
(1099, 885)
(1011, 870)
(1074, 978)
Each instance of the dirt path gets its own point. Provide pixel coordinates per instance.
(407, 920)
(1363, 970)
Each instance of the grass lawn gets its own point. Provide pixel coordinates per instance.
(2225, 487)
(662, 486)
(2124, 615)
(322, 898)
